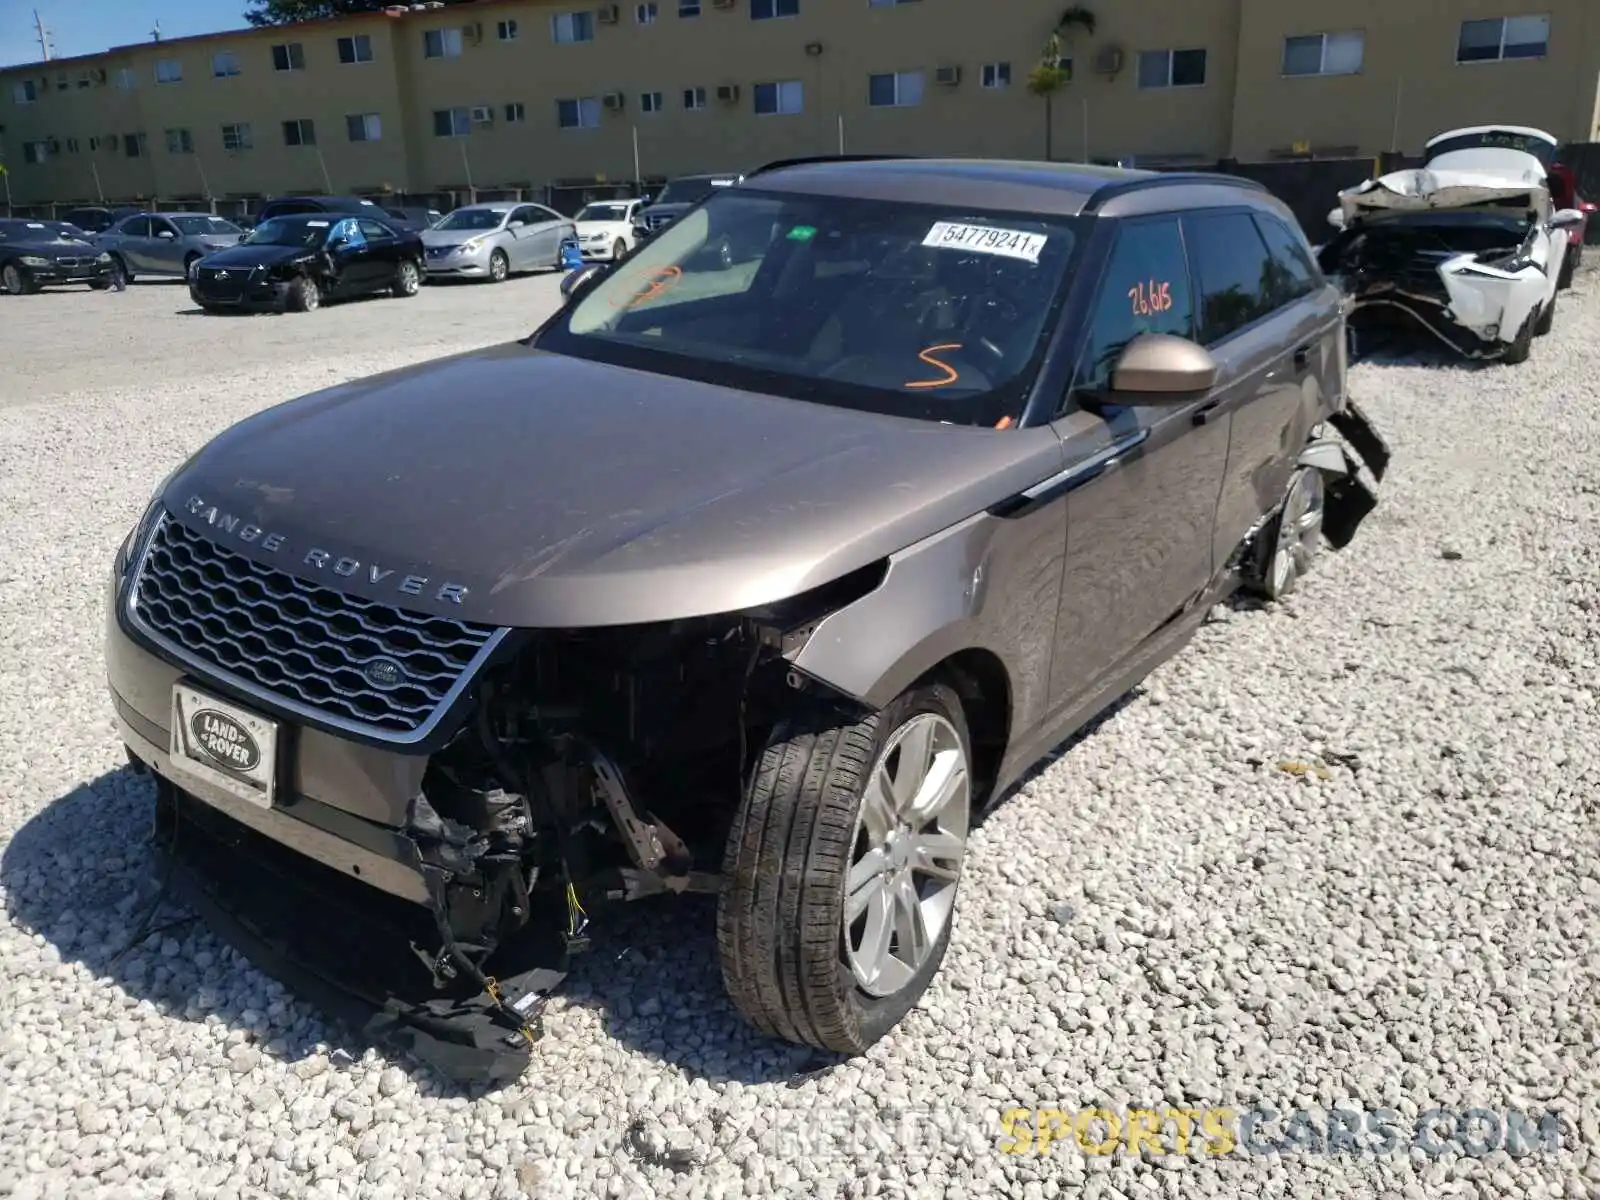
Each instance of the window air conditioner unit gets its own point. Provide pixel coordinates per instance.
(98, 74)
(472, 34)
(723, 3)
(613, 101)
(606, 14)
(483, 114)
(728, 92)
(947, 76)
(1108, 60)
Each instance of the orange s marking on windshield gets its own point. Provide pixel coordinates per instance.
(657, 283)
(950, 373)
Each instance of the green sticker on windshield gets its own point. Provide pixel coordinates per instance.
(802, 233)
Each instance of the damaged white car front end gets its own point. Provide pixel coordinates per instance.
(1467, 246)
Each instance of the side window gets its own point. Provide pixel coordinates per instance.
(374, 231)
(1232, 272)
(1294, 274)
(138, 227)
(350, 230)
(540, 213)
(528, 214)
(1145, 289)
(159, 227)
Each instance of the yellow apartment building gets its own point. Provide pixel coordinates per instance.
(502, 95)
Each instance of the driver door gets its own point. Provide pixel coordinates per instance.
(352, 259)
(166, 249)
(1141, 481)
(135, 240)
(542, 236)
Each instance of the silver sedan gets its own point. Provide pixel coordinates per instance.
(166, 244)
(490, 241)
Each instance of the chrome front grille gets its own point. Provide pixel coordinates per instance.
(303, 645)
(69, 261)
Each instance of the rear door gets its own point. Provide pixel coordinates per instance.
(1271, 326)
(1141, 480)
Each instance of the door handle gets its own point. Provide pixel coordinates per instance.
(1209, 412)
(1302, 357)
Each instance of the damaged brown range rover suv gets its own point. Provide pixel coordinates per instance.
(758, 577)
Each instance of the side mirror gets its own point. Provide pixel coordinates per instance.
(1567, 218)
(1336, 218)
(582, 279)
(166, 234)
(1158, 368)
(517, 224)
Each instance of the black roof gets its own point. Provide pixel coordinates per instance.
(335, 203)
(1062, 189)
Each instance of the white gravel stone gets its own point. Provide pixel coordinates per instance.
(1163, 916)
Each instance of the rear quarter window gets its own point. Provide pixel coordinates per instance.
(1294, 272)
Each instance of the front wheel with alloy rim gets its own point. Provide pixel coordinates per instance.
(1292, 539)
(304, 295)
(15, 281)
(842, 868)
(407, 279)
(499, 267)
(619, 250)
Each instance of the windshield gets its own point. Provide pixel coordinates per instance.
(690, 191)
(34, 231)
(914, 309)
(474, 218)
(1497, 139)
(611, 211)
(289, 231)
(215, 226)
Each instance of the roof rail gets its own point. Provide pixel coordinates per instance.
(826, 158)
(1171, 179)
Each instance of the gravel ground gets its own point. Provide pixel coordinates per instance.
(1341, 853)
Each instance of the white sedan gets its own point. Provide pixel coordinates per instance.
(605, 228)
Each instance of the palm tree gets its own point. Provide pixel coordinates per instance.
(1055, 70)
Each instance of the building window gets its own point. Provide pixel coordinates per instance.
(299, 132)
(1172, 68)
(72, 145)
(237, 137)
(1500, 38)
(506, 31)
(645, 14)
(566, 28)
(363, 127)
(650, 102)
(357, 49)
(35, 152)
(694, 98)
(224, 63)
(1324, 54)
(783, 98)
(582, 113)
(900, 90)
(126, 79)
(766, 10)
(452, 122)
(169, 70)
(996, 75)
(688, 8)
(25, 92)
(441, 43)
(289, 57)
(516, 114)
(180, 141)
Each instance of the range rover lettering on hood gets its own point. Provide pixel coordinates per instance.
(319, 559)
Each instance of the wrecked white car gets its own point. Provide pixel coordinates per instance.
(1469, 246)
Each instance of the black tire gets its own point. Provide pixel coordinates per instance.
(120, 266)
(1522, 348)
(1547, 318)
(1569, 267)
(189, 261)
(407, 278)
(619, 250)
(780, 930)
(98, 285)
(499, 267)
(16, 282)
(303, 295)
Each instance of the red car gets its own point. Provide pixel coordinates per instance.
(1564, 194)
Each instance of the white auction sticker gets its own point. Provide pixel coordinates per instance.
(985, 239)
(317, 224)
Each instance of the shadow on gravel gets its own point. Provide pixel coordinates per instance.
(81, 875)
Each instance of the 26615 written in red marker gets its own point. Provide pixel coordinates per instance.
(1151, 297)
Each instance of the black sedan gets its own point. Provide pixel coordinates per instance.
(294, 263)
(35, 254)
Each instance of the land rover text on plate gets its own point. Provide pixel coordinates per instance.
(757, 579)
